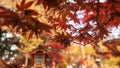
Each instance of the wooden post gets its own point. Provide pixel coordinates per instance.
(53, 64)
(82, 51)
(82, 62)
(26, 59)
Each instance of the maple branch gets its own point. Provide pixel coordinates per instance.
(97, 17)
(97, 10)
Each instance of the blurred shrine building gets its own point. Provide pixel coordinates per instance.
(40, 57)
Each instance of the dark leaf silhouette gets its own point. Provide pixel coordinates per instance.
(24, 24)
(31, 12)
(23, 3)
(29, 4)
(18, 7)
(39, 2)
(63, 39)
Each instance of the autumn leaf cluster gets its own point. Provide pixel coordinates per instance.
(55, 15)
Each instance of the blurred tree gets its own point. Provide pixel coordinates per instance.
(113, 61)
(7, 43)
